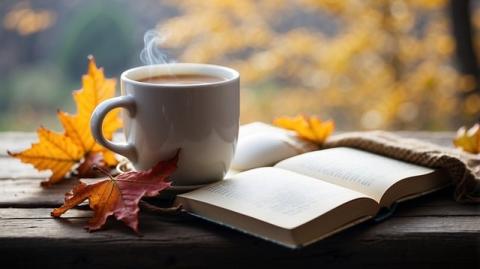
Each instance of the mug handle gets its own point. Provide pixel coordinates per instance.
(96, 121)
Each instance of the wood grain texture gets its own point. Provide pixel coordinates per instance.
(28, 193)
(11, 168)
(431, 231)
(187, 242)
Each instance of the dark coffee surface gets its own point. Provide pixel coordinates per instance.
(182, 79)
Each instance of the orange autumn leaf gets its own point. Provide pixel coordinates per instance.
(76, 148)
(307, 127)
(53, 151)
(119, 196)
(468, 140)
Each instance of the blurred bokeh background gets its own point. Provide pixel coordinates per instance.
(396, 64)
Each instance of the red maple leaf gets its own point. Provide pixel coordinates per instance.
(119, 196)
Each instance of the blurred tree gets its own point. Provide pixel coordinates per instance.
(387, 64)
(467, 59)
(463, 33)
(99, 29)
(32, 99)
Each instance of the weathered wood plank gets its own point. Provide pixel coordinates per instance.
(14, 220)
(29, 193)
(445, 253)
(26, 191)
(11, 168)
(431, 231)
(201, 244)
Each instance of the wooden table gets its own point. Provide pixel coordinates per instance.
(430, 231)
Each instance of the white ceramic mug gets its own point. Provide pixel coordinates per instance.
(200, 119)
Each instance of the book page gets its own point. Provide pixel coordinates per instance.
(354, 169)
(276, 196)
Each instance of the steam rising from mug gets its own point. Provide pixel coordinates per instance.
(151, 53)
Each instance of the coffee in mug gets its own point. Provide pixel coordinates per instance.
(182, 79)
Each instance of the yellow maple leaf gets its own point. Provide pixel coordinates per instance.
(307, 127)
(468, 140)
(60, 152)
(95, 89)
(53, 151)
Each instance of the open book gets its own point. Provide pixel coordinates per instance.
(310, 196)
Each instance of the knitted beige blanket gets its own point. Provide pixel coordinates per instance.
(463, 168)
